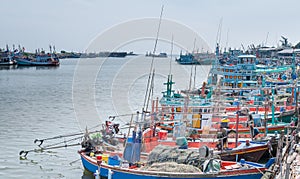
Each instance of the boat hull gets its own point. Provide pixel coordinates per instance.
(23, 62)
(117, 172)
(7, 63)
(250, 154)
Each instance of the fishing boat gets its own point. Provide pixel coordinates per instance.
(187, 59)
(7, 59)
(160, 55)
(116, 168)
(248, 150)
(117, 54)
(37, 60)
(246, 71)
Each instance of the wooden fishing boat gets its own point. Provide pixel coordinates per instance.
(227, 170)
(250, 151)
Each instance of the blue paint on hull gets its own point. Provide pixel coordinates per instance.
(123, 174)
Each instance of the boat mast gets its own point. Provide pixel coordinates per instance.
(151, 73)
(170, 69)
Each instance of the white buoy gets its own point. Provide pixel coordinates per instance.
(109, 176)
(97, 174)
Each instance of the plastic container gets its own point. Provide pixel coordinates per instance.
(162, 135)
(130, 139)
(125, 165)
(105, 157)
(114, 160)
(181, 141)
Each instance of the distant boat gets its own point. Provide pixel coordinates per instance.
(187, 59)
(204, 58)
(160, 55)
(37, 60)
(131, 54)
(117, 54)
(7, 61)
(6, 58)
(195, 59)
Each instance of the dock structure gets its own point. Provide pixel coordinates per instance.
(287, 163)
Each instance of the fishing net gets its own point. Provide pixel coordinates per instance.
(193, 158)
(172, 167)
(96, 138)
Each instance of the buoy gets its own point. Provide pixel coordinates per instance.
(97, 174)
(109, 176)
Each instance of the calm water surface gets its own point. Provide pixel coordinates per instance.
(37, 103)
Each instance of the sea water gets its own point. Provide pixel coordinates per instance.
(38, 103)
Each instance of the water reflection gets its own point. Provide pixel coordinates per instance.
(38, 67)
(87, 175)
(7, 67)
(13, 67)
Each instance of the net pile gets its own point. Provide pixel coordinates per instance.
(172, 167)
(167, 154)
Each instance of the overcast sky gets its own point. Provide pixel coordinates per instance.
(73, 24)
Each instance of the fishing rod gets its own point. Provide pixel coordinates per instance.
(56, 137)
(60, 136)
(24, 153)
(65, 141)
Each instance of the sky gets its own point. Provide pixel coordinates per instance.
(73, 24)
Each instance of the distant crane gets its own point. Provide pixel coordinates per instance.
(284, 41)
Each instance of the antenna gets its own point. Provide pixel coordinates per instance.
(194, 87)
(243, 47)
(190, 84)
(219, 33)
(171, 55)
(227, 39)
(194, 46)
(266, 39)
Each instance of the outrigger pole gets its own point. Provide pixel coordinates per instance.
(24, 153)
(57, 137)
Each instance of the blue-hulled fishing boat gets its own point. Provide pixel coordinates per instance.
(195, 59)
(37, 60)
(187, 59)
(246, 72)
(227, 170)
